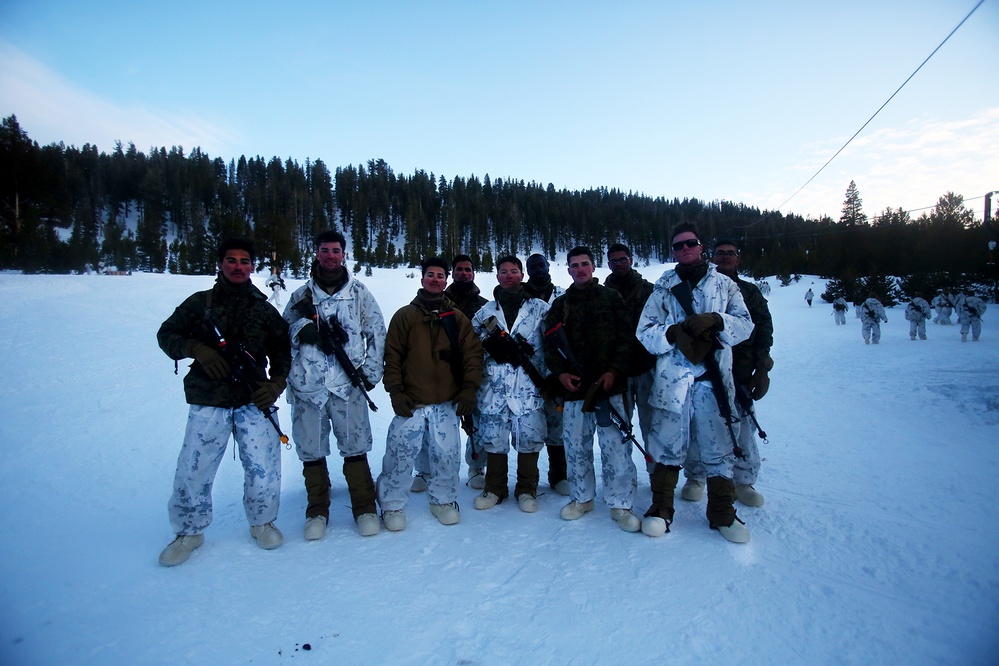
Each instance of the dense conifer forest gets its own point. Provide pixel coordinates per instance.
(64, 207)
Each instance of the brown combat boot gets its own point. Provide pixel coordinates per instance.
(721, 510)
(528, 475)
(497, 469)
(360, 485)
(317, 487)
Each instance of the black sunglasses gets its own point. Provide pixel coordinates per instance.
(690, 242)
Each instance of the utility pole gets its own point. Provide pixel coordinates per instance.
(991, 230)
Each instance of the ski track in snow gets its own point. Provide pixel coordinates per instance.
(874, 546)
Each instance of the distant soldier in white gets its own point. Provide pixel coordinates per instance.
(944, 302)
(276, 284)
(510, 404)
(539, 285)
(751, 366)
(331, 315)
(916, 313)
(809, 295)
(684, 391)
(433, 369)
(840, 309)
(969, 309)
(872, 313)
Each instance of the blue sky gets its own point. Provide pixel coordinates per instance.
(742, 101)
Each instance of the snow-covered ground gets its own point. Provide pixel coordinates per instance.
(877, 543)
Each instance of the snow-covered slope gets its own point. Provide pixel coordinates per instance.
(877, 542)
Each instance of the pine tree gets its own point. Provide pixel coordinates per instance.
(853, 211)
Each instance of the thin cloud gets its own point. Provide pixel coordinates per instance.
(908, 167)
(51, 110)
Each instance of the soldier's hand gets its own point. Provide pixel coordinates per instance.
(700, 324)
(402, 405)
(569, 381)
(759, 384)
(606, 381)
(309, 334)
(464, 402)
(212, 362)
(267, 394)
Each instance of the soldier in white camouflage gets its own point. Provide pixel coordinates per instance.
(322, 395)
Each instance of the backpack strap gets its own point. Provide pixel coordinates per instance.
(449, 323)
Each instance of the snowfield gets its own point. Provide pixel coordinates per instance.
(877, 543)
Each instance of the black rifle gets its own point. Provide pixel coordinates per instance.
(455, 357)
(242, 369)
(603, 407)
(745, 401)
(333, 337)
(514, 350)
(685, 296)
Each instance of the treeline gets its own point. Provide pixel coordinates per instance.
(65, 207)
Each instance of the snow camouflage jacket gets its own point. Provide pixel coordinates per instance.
(872, 311)
(504, 386)
(244, 316)
(313, 373)
(599, 336)
(840, 304)
(753, 352)
(969, 307)
(416, 352)
(675, 375)
(918, 310)
(635, 290)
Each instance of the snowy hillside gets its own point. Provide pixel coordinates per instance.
(877, 543)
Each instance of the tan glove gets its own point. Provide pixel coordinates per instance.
(700, 324)
(212, 362)
(267, 393)
(694, 349)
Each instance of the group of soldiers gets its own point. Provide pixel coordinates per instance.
(918, 311)
(536, 369)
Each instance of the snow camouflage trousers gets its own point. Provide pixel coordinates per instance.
(745, 470)
(475, 456)
(917, 327)
(974, 324)
(699, 425)
(620, 478)
(205, 442)
(436, 428)
(498, 433)
(839, 317)
(871, 330)
(347, 419)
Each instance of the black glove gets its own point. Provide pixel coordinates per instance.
(214, 365)
(759, 384)
(464, 402)
(267, 393)
(402, 405)
(309, 334)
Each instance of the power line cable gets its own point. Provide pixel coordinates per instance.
(882, 106)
